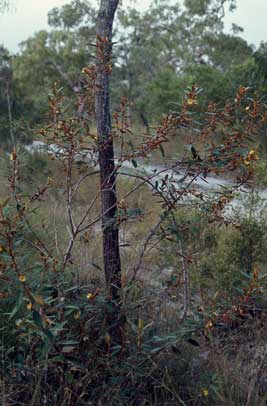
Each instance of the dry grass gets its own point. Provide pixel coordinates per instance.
(239, 359)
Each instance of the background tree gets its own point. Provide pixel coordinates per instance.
(4, 4)
(181, 45)
(170, 39)
(6, 95)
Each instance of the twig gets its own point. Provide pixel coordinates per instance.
(186, 284)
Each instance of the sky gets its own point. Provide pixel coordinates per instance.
(29, 16)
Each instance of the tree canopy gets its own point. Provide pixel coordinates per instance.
(157, 54)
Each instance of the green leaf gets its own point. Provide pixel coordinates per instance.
(59, 358)
(158, 349)
(17, 305)
(246, 275)
(49, 335)
(68, 342)
(5, 211)
(37, 319)
(68, 349)
(72, 307)
(116, 349)
(162, 150)
(69, 378)
(134, 163)
(44, 348)
(59, 327)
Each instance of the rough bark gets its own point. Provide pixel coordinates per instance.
(111, 252)
(9, 108)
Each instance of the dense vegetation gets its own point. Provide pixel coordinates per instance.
(180, 45)
(183, 320)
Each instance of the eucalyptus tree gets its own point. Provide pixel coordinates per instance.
(6, 98)
(57, 55)
(156, 47)
(158, 53)
(151, 47)
(4, 4)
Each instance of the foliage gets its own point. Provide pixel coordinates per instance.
(56, 335)
(4, 5)
(53, 320)
(181, 46)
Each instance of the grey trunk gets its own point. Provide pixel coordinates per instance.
(111, 252)
(9, 108)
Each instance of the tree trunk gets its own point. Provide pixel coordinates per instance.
(111, 252)
(9, 108)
